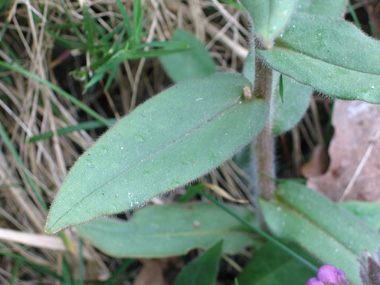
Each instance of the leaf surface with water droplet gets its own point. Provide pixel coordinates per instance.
(269, 17)
(314, 50)
(176, 228)
(166, 142)
(323, 228)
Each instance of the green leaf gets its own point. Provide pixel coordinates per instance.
(314, 51)
(333, 9)
(323, 228)
(269, 17)
(168, 230)
(193, 63)
(137, 21)
(170, 140)
(296, 101)
(126, 19)
(35, 266)
(202, 270)
(369, 212)
(271, 266)
(249, 66)
(161, 48)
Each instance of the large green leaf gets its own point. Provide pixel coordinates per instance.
(333, 9)
(271, 266)
(367, 211)
(170, 140)
(289, 112)
(193, 63)
(314, 51)
(167, 230)
(269, 17)
(323, 228)
(203, 270)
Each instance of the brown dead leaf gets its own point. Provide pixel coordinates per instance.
(354, 170)
(151, 273)
(223, 193)
(318, 164)
(159, 271)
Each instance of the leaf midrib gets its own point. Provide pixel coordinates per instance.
(188, 233)
(287, 49)
(176, 140)
(310, 222)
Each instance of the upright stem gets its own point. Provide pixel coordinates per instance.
(264, 143)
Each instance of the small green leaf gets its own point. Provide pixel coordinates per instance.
(271, 266)
(193, 63)
(369, 212)
(333, 9)
(168, 230)
(314, 51)
(160, 49)
(202, 270)
(323, 228)
(170, 140)
(269, 17)
(289, 112)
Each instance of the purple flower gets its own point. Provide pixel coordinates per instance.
(314, 281)
(329, 274)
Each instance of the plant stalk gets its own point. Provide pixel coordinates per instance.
(264, 143)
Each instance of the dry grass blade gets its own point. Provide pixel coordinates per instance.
(30, 239)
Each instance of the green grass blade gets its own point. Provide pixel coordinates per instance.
(65, 43)
(120, 270)
(354, 16)
(137, 21)
(32, 184)
(66, 272)
(291, 106)
(194, 273)
(126, 54)
(71, 23)
(64, 131)
(35, 266)
(126, 19)
(262, 233)
(89, 28)
(15, 271)
(81, 262)
(271, 266)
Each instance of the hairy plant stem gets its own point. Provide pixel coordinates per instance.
(264, 143)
